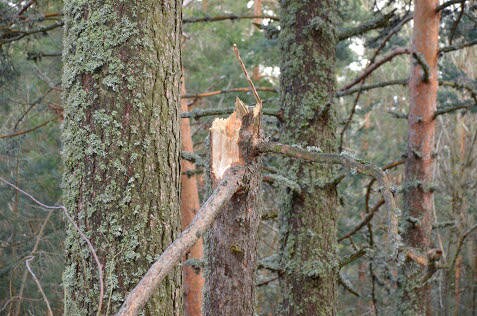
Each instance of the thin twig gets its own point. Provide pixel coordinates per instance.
(28, 130)
(82, 235)
(456, 22)
(369, 216)
(198, 113)
(461, 243)
(217, 92)
(451, 48)
(32, 252)
(38, 284)
(424, 66)
(250, 82)
(376, 65)
(228, 17)
(354, 165)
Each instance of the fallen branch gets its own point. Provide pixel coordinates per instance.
(139, 296)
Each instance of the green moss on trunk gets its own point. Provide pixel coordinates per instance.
(121, 147)
(308, 242)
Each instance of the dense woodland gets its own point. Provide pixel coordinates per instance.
(340, 178)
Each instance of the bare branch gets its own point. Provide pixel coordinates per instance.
(28, 130)
(228, 17)
(353, 257)
(365, 221)
(82, 235)
(373, 23)
(139, 296)
(352, 164)
(461, 243)
(451, 48)
(38, 284)
(422, 62)
(198, 113)
(217, 92)
(250, 82)
(395, 52)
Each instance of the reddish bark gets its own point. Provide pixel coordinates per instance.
(193, 281)
(419, 199)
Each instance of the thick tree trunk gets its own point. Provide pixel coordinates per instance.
(121, 148)
(418, 195)
(308, 243)
(192, 278)
(231, 242)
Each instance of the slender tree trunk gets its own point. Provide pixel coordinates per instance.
(192, 278)
(231, 242)
(418, 196)
(308, 243)
(121, 148)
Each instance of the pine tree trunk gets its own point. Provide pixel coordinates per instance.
(418, 195)
(192, 278)
(308, 243)
(121, 148)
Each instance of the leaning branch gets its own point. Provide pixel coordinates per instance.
(139, 296)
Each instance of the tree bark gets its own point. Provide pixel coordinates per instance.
(418, 194)
(192, 278)
(121, 148)
(231, 242)
(308, 244)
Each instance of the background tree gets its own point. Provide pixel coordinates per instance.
(308, 245)
(419, 172)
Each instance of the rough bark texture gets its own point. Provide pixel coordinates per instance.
(231, 243)
(308, 244)
(121, 148)
(192, 278)
(418, 195)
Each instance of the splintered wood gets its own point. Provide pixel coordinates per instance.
(224, 141)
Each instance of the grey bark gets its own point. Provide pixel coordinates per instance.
(121, 146)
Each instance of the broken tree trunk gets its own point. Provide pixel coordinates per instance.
(192, 281)
(231, 241)
(138, 297)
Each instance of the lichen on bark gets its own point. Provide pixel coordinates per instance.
(308, 231)
(121, 145)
